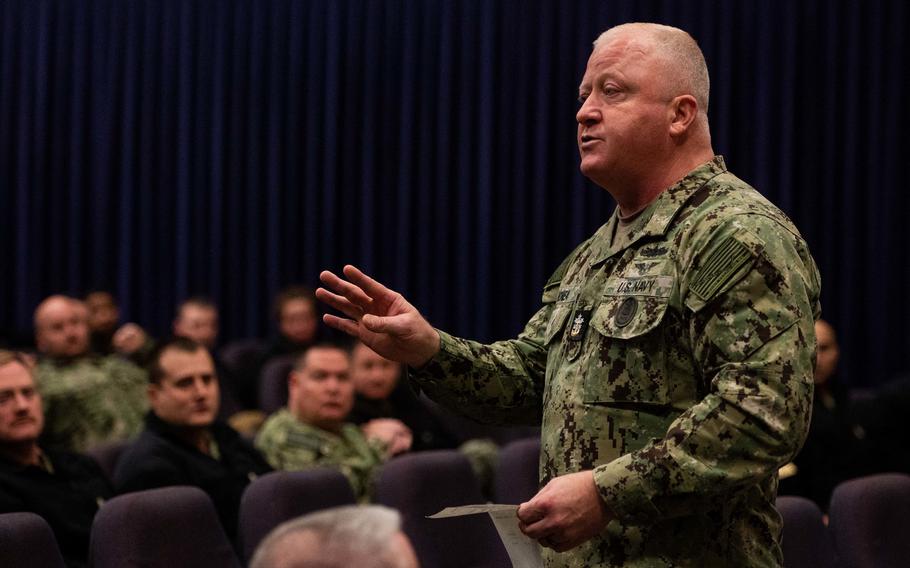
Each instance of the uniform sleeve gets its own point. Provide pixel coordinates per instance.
(499, 383)
(753, 295)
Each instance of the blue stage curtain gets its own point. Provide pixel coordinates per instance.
(163, 148)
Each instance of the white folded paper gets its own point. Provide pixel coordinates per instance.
(524, 552)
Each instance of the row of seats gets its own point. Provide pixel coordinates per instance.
(178, 526)
(868, 524)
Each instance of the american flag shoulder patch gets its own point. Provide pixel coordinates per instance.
(722, 264)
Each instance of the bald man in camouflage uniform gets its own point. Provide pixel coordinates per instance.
(312, 430)
(671, 360)
(89, 399)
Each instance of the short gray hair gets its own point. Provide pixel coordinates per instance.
(355, 535)
(680, 51)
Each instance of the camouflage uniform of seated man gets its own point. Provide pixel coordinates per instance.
(380, 393)
(312, 431)
(89, 399)
(670, 363)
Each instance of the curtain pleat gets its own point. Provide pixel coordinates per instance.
(167, 148)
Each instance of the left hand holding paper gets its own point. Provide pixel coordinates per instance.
(565, 513)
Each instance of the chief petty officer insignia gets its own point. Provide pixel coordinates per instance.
(577, 331)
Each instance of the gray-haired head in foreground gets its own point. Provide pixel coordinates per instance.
(365, 536)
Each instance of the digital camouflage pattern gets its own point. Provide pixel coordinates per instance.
(289, 444)
(677, 364)
(91, 401)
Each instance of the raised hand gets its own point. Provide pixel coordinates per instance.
(381, 318)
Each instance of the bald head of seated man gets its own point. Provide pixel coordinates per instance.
(61, 328)
(89, 399)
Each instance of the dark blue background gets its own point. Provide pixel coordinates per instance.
(168, 148)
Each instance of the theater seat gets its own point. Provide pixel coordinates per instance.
(241, 356)
(273, 383)
(806, 542)
(170, 527)
(517, 475)
(239, 365)
(284, 495)
(869, 519)
(107, 455)
(421, 484)
(27, 540)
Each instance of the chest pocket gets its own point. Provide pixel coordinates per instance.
(557, 321)
(629, 343)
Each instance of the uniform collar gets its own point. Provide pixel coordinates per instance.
(656, 218)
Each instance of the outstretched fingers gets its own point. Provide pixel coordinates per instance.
(347, 326)
(340, 303)
(371, 288)
(341, 287)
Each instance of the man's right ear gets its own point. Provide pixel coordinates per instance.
(293, 379)
(151, 391)
(684, 110)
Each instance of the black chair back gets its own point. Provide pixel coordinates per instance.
(284, 495)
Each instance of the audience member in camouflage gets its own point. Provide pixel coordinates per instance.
(379, 392)
(312, 431)
(289, 444)
(91, 401)
(88, 399)
(671, 361)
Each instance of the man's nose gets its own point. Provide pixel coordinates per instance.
(21, 401)
(200, 387)
(587, 114)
